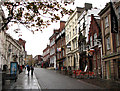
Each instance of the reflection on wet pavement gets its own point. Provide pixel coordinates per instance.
(26, 82)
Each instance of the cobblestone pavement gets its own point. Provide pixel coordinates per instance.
(50, 79)
(23, 82)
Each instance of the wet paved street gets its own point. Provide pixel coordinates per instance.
(50, 79)
(24, 82)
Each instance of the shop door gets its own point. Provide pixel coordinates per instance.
(90, 65)
(119, 69)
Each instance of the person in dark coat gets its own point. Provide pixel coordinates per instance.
(28, 69)
(32, 69)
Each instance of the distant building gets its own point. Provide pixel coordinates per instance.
(53, 48)
(38, 59)
(29, 60)
(22, 43)
(46, 56)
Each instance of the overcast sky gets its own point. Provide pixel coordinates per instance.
(36, 43)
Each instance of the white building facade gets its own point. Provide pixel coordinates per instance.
(71, 36)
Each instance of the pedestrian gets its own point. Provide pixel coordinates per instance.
(32, 69)
(28, 69)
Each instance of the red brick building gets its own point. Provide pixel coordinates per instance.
(60, 47)
(46, 56)
(94, 53)
(38, 59)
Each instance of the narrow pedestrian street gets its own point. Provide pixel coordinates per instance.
(51, 79)
(45, 79)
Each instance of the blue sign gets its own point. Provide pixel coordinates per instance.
(13, 67)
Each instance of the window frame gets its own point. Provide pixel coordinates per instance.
(106, 22)
(108, 43)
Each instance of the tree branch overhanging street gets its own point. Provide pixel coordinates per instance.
(36, 14)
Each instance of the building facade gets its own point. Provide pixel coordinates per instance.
(83, 28)
(46, 57)
(111, 42)
(95, 49)
(61, 47)
(53, 48)
(38, 59)
(29, 60)
(15, 51)
(71, 36)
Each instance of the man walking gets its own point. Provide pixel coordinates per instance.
(32, 69)
(28, 69)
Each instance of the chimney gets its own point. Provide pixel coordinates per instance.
(88, 6)
(62, 25)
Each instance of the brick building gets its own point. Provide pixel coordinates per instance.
(53, 48)
(60, 47)
(46, 57)
(38, 59)
(94, 53)
(111, 42)
(22, 42)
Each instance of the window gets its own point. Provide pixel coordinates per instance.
(118, 12)
(108, 43)
(76, 29)
(73, 45)
(77, 57)
(60, 55)
(73, 32)
(76, 44)
(95, 38)
(83, 46)
(106, 21)
(91, 41)
(57, 55)
(117, 39)
(63, 53)
(70, 35)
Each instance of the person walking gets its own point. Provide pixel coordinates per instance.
(32, 69)
(28, 69)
